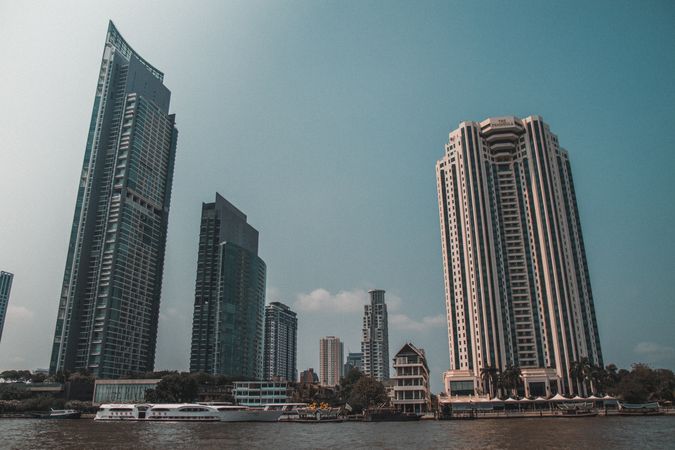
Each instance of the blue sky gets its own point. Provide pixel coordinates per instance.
(322, 121)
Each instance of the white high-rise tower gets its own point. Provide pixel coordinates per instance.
(517, 286)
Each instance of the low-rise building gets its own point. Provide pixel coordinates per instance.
(258, 393)
(122, 391)
(411, 389)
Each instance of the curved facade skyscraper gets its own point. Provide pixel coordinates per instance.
(109, 303)
(517, 285)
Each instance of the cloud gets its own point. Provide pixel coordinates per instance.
(320, 300)
(15, 313)
(405, 323)
(654, 351)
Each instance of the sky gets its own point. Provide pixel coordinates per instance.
(322, 121)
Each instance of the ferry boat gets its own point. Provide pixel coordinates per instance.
(59, 414)
(121, 412)
(641, 409)
(183, 412)
(576, 410)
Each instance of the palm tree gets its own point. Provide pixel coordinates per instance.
(582, 372)
(489, 376)
(511, 378)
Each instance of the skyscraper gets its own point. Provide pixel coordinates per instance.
(375, 338)
(281, 342)
(227, 327)
(517, 286)
(354, 361)
(331, 358)
(6, 279)
(109, 301)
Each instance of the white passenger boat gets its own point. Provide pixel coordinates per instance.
(121, 412)
(184, 412)
(238, 413)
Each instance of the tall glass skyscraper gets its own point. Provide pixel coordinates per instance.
(227, 327)
(6, 279)
(281, 343)
(109, 304)
(375, 338)
(517, 286)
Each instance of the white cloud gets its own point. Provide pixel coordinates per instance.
(15, 313)
(403, 322)
(654, 351)
(320, 300)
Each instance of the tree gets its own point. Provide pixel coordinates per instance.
(367, 392)
(174, 388)
(348, 381)
(511, 378)
(489, 376)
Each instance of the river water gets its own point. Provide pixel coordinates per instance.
(596, 433)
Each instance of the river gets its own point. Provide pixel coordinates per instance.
(595, 433)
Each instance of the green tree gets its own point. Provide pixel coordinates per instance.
(174, 388)
(367, 392)
(489, 376)
(347, 383)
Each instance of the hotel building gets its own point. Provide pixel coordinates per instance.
(517, 285)
(109, 300)
(227, 326)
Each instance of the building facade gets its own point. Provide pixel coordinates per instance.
(281, 343)
(227, 326)
(517, 285)
(259, 393)
(309, 376)
(375, 338)
(354, 361)
(412, 393)
(122, 391)
(331, 359)
(6, 279)
(109, 301)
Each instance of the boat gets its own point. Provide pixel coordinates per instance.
(389, 414)
(240, 413)
(320, 414)
(182, 412)
(575, 410)
(640, 409)
(116, 412)
(289, 410)
(59, 414)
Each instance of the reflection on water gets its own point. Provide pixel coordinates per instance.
(598, 432)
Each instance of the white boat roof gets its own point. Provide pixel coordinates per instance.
(117, 405)
(179, 405)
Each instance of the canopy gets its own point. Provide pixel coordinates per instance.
(540, 399)
(496, 400)
(608, 397)
(558, 398)
(576, 397)
(511, 400)
(593, 397)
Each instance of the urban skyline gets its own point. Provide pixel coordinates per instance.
(109, 301)
(518, 290)
(356, 113)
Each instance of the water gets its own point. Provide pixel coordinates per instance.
(596, 433)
